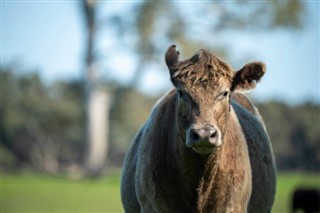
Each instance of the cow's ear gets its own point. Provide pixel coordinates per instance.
(172, 59)
(248, 76)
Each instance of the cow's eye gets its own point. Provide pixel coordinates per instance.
(223, 95)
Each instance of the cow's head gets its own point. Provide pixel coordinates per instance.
(203, 85)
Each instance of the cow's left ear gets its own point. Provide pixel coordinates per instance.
(248, 76)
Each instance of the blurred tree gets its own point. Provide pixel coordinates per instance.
(262, 15)
(127, 117)
(40, 125)
(294, 133)
(97, 100)
(158, 24)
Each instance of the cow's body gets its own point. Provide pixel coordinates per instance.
(162, 174)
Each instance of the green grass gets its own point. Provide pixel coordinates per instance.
(36, 193)
(287, 182)
(48, 194)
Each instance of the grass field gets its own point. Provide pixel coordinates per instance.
(36, 193)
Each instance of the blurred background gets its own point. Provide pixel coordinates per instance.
(79, 78)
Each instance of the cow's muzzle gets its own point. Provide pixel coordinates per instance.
(203, 140)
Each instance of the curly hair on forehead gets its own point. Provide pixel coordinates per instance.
(202, 68)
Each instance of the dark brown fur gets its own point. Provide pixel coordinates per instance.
(162, 174)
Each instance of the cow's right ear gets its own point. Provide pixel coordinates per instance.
(171, 57)
(247, 77)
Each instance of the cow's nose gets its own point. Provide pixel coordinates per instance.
(204, 136)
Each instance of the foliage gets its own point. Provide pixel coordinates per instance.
(41, 125)
(150, 26)
(128, 113)
(294, 132)
(37, 193)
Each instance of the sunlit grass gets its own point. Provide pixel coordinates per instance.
(48, 194)
(287, 182)
(37, 193)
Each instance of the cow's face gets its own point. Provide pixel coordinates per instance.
(203, 85)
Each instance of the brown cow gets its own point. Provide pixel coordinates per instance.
(204, 147)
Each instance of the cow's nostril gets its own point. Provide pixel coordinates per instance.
(213, 134)
(194, 135)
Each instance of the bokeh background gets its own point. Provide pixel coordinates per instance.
(79, 78)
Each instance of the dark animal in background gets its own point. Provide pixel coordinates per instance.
(306, 199)
(204, 147)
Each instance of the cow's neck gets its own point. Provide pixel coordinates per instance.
(226, 183)
(191, 167)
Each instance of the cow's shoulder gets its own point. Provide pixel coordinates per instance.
(244, 101)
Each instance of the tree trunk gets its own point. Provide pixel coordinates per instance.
(97, 104)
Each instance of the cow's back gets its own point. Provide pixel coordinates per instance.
(261, 155)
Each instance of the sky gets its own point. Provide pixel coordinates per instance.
(48, 36)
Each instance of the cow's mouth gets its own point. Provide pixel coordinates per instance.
(203, 150)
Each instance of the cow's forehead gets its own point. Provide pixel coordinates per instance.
(203, 70)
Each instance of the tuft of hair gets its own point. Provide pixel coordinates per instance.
(202, 68)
